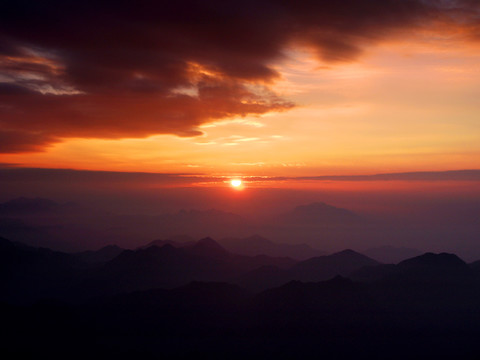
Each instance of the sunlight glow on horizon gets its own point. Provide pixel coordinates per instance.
(236, 183)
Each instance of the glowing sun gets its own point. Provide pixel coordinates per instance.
(236, 183)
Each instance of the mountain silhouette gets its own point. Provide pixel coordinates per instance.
(475, 266)
(258, 245)
(100, 256)
(430, 266)
(157, 267)
(426, 268)
(262, 278)
(169, 266)
(326, 267)
(28, 274)
(143, 303)
(391, 254)
(209, 248)
(176, 241)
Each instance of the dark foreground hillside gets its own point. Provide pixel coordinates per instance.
(333, 319)
(427, 307)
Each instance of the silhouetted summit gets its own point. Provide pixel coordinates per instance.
(99, 256)
(28, 274)
(426, 268)
(258, 245)
(208, 247)
(176, 241)
(431, 260)
(391, 254)
(431, 266)
(157, 267)
(326, 267)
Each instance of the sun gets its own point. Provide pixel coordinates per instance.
(236, 183)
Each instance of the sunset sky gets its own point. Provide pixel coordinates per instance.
(251, 88)
(240, 179)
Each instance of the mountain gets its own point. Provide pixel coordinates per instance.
(427, 268)
(432, 267)
(161, 242)
(100, 256)
(315, 269)
(257, 245)
(263, 277)
(169, 266)
(143, 304)
(318, 213)
(390, 254)
(334, 319)
(195, 296)
(209, 248)
(28, 274)
(475, 265)
(156, 267)
(326, 267)
(299, 297)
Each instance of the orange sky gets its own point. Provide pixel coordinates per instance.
(402, 107)
(409, 103)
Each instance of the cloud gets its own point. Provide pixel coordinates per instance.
(449, 175)
(12, 141)
(122, 69)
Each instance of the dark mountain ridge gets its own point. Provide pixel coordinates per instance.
(326, 267)
(426, 268)
(258, 245)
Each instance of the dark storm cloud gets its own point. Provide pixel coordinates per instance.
(111, 69)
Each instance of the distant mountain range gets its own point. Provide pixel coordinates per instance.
(250, 246)
(426, 268)
(311, 270)
(100, 256)
(391, 254)
(256, 244)
(69, 226)
(29, 274)
(200, 298)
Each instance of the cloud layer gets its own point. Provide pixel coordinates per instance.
(113, 69)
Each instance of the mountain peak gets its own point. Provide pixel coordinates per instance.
(431, 259)
(208, 241)
(348, 252)
(208, 247)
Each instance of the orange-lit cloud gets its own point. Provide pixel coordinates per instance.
(170, 67)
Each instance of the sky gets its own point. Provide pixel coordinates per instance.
(250, 88)
(152, 106)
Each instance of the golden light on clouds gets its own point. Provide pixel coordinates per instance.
(396, 109)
